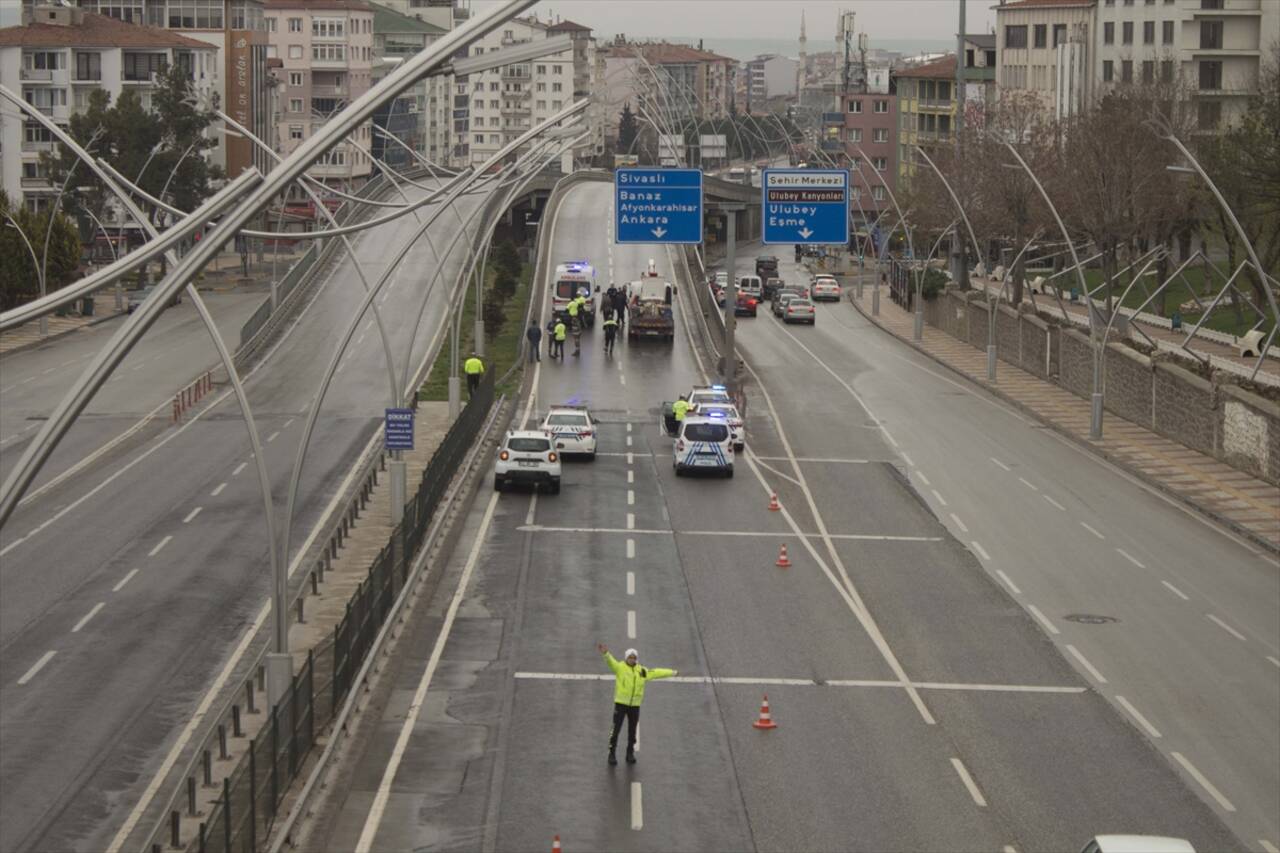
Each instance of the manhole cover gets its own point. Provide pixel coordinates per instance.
(1090, 619)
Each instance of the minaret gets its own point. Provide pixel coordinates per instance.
(800, 72)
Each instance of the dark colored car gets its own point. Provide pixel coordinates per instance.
(772, 286)
(766, 267)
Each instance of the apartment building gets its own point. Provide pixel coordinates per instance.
(493, 107)
(1045, 50)
(325, 48)
(241, 82)
(771, 76)
(58, 58)
(927, 103)
(674, 81)
(1216, 47)
(396, 37)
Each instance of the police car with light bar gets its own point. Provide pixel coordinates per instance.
(573, 430)
(729, 413)
(703, 444)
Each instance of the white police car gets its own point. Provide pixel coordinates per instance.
(729, 413)
(573, 430)
(703, 394)
(703, 444)
(526, 456)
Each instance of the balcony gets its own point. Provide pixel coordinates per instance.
(36, 75)
(329, 91)
(513, 108)
(36, 147)
(141, 79)
(515, 73)
(87, 79)
(833, 119)
(41, 183)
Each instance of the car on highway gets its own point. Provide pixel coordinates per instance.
(785, 295)
(767, 266)
(703, 444)
(747, 305)
(1137, 844)
(825, 287)
(729, 413)
(772, 286)
(799, 311)
(708, 394)
(751, 285)
(573, 430)
(526, 456)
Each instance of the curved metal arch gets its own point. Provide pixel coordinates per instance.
(977, 247)
(107, 359)
(346, 243)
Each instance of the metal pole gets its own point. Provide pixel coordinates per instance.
(730, 368)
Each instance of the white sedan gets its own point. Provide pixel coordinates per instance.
(825, 287)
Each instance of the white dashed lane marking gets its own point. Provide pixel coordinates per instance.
(1044, 620)
(84, 620)
(124, 580)
(963, 527)
(239, 468)
(1012, 586)
(1001, 464)
(192, 515)
(156, 550)
(1132, 559)
(1084, 662)
(1173, 589)
(39, 665)
(218, 490)
(1142, 721)
(1204, 783)
(969, 784)
(1224, 626)
(1092, 530)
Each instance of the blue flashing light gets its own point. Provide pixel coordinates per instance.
(716, 414)
(718, 388)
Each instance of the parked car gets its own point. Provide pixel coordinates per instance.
(799, 311)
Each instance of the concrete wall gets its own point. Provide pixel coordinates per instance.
(1129, 384)
(978, 322)
(1075, 368)
(1249, 432)
(1036, 343)
(1008, 335)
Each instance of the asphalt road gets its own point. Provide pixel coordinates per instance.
(919, 705)
(124, 592)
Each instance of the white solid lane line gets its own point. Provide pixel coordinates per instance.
(631, 549)
(1132, 559)
(124, 580)
(982, 552)
(1142, 721)
(1204, 783)
(1030, 485)
(1001, 464)
(156, 550)
(218, 490)
(808, 682)
(1091, 530)
(963, 527)
(1224, 626)
(631, 624)
(239, 468)
(637, 805)
(972, 787)
(1044, 620)
(631, 583)
(192, 515)
(374, 818)
(84, 620)
(1173, 589)
(39, 665)
(1012, 586)
(940, 498)
(1050, 499)
(1084, 662)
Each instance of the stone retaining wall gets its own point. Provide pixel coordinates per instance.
(1129, 384)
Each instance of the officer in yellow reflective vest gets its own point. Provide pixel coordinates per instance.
(628, 692)
(474, 368)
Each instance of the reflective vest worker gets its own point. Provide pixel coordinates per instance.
(628, 693)
(610, 326)
(474, 368)
(561, 331)
(573, 309)
(680, 408)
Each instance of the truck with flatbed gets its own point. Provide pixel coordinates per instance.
(650, 308)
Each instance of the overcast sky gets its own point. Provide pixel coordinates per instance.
(770, 18)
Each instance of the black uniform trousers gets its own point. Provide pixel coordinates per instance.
(632, 715)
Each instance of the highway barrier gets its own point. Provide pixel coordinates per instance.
(252, 794)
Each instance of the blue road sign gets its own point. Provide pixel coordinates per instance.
(805, 206)
(657, 205)
(399, 429)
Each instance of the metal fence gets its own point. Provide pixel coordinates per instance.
(252, 793)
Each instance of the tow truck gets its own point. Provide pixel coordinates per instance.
(649, 307)
(574, 279)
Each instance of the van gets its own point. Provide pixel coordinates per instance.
(751, 286)
(703, 444)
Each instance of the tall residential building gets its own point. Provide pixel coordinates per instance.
(239, 79)
(495, 106)
(1070, 52)
(1217, 46)
(397, 37)
(926, 109)
(667, 82)
(58, 58)
(771, 76)
(326, 51)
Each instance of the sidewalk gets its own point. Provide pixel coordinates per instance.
(28, 335)
(1234, 498)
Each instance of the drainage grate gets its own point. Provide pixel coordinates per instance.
(1090, 619)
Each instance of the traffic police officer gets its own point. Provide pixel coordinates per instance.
(474, 368)
(628, 693)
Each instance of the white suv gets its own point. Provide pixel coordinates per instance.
(729, 414)
(704, 444)
(526, 456)
(573, 429)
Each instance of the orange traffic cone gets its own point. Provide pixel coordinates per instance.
(774, 506)
(765, 721)
(555, 845)
(783, 562)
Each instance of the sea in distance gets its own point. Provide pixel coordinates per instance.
(743, 49)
